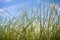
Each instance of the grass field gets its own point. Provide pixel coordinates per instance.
(34, 27)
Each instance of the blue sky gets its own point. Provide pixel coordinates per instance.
(14, 5)
(14, 2)
(6, 3)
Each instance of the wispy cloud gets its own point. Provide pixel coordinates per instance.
(14, 10)
(7, 8)
(7, 12)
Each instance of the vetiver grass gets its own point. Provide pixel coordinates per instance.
(34, 28)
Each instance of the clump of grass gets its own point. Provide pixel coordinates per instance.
(34, 28)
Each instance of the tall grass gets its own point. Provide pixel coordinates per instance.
(34, 28)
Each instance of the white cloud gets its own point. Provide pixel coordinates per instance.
(12, 9)
(9, 8)
(1, 9)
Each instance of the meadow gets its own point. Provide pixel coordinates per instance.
(34, 27)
